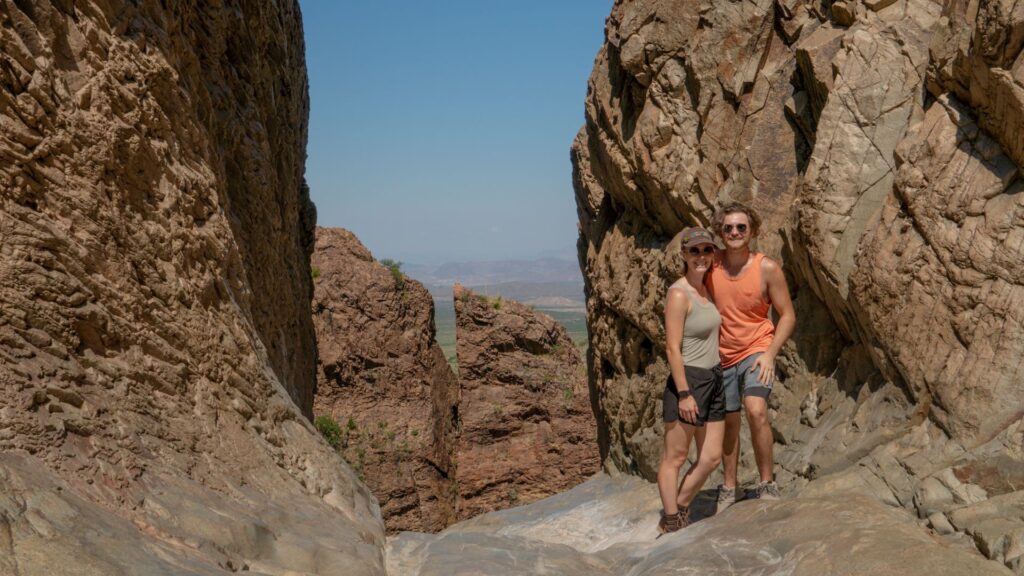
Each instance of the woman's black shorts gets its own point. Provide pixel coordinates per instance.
(706, 388)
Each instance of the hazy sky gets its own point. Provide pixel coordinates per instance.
(441, 130)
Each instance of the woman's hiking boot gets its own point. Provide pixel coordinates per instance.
(726, 497)
(674, 522)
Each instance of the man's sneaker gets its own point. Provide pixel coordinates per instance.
(768, 491)
(726, 498)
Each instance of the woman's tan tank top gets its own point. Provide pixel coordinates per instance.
(700, 330)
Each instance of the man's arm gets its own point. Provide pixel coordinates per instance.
(778, 294)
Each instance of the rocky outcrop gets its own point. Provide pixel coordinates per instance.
(385, 381)
(157, 351)
(527, 428)
(608, 526)
(881, 142)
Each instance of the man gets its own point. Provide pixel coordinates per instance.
(745, 285)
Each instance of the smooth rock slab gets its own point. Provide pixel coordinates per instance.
(607, 526)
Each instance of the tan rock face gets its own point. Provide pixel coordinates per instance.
(527, 428)
(386, 382)
(156, 345)
(881, 141)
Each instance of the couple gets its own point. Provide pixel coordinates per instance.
(721, 347)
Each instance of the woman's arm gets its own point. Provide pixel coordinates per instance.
(677, 304)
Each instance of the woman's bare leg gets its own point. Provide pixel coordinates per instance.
(710, 458)
(673, 456)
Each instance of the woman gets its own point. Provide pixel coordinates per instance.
(694, 399)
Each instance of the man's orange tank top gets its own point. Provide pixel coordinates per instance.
(746, 328)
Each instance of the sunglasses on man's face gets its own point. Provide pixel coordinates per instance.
(741, 228)
(696, 251)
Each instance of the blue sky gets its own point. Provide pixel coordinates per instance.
(440, 131)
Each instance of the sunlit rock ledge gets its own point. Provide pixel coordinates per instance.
(607, 526)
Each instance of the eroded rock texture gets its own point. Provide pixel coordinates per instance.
(882, 143)
(527, 428)
(157, 352)
(607, 527)
(386, 382)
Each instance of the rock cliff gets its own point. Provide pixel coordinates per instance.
(881, 142)
(527, 428)
(384, 379)
(157, 352)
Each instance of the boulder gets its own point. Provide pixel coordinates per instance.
(384, 381)
(527, 426)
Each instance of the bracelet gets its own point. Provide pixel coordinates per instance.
(683, 393)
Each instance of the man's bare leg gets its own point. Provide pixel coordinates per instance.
(760, 435)
(731, 449)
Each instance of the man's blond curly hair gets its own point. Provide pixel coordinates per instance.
(732, 208)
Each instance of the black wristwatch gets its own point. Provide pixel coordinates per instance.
(683, 393)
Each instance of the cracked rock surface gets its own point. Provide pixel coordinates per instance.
(157, 353)
(384, 379)
(527, 427)
(881, 142)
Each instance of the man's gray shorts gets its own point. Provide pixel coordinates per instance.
(739, 382)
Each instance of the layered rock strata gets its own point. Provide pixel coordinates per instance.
(384, 379)
(881, 142)
(527, 427)
(157, 352)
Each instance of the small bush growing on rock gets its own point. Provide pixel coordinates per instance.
(329, 429)
(314, 272)
(567, 394)
(351, 425)
(496, 304)
(396, 271)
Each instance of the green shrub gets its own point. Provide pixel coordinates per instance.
(329, 429)
(496, 304)
(314, 272)
(351, 424)
(567, 394)
(396, 271)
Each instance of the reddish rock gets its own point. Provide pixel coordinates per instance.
(386, 382)
(527, 426)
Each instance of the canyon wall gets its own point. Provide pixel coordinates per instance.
(881, 142)
(157, 353)
(527, 428)
(385, 381)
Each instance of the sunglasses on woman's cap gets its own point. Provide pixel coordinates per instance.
(741, 228)
(697, 251)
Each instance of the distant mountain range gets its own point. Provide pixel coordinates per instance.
(545, 282)
(480, 273)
